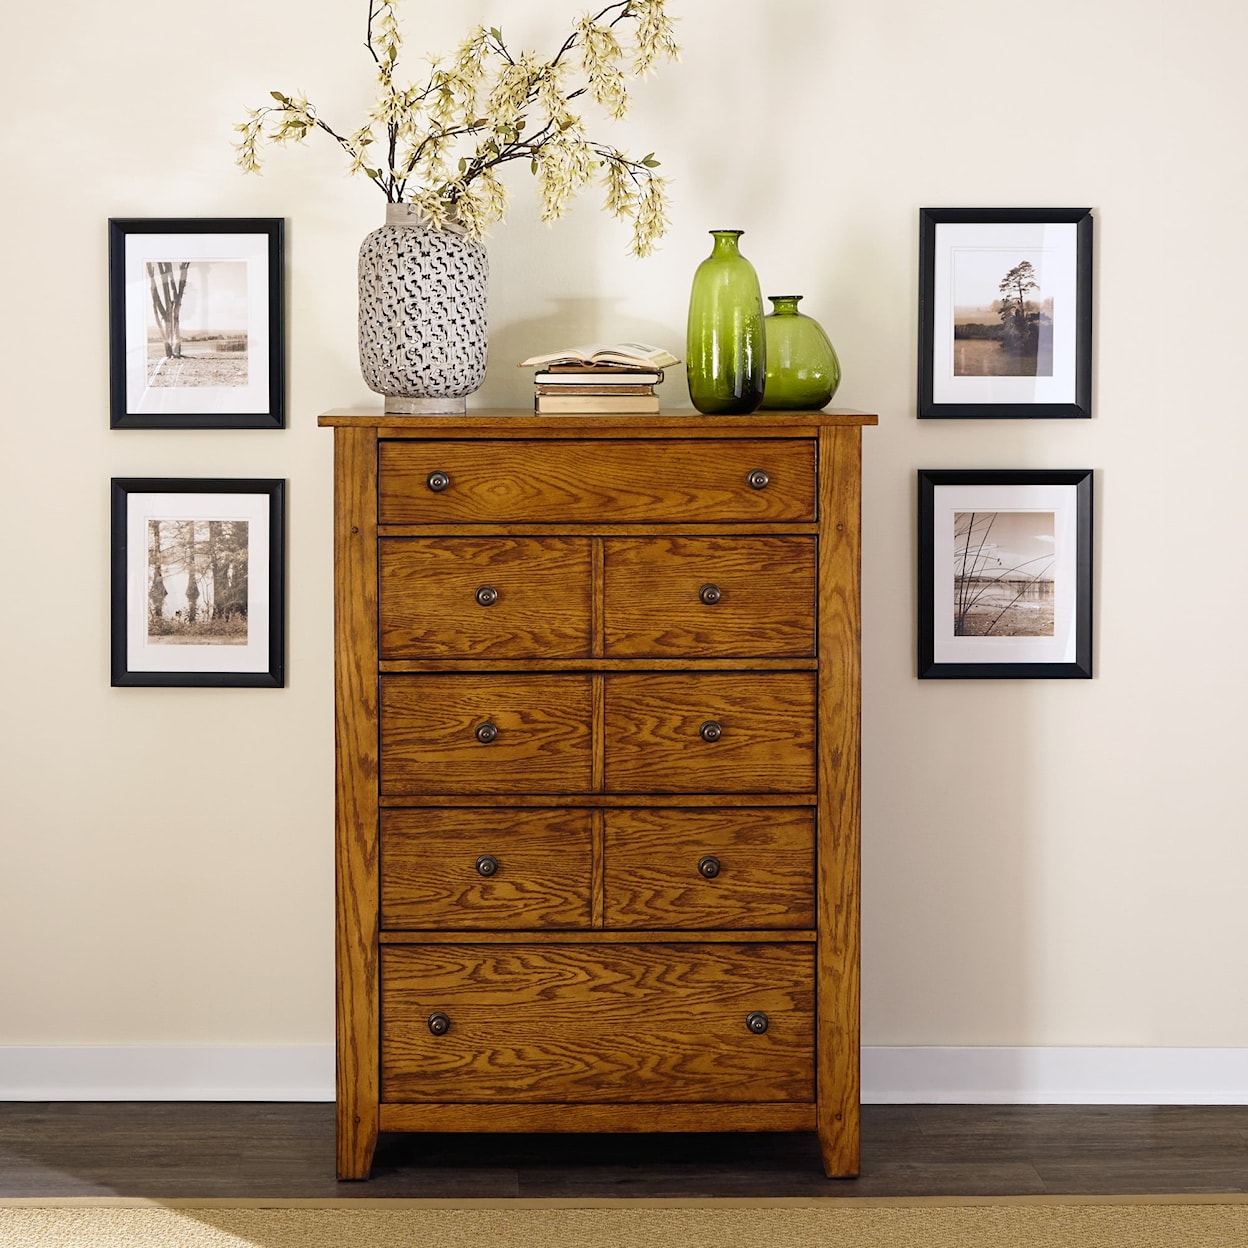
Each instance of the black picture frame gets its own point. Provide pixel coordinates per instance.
(197, 524)
(991, 602)
(974, 375)
(232, 374)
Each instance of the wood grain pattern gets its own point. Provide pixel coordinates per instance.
(531, 1023)
(766, 868)
(726, 800)
(429, 875)
(765, 606)
(597, 665)
(598, 736)
(598, 571)
(585, 528)
(615, 936)
(627, 1117)
(838, 824)
(620, 481)
(653, 740)
(598, 879)
(511, 423)
(429, 743)
(227, 1152)
(598, 981)
(355, 856)
(429, 606)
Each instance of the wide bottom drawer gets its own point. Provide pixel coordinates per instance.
(608, 1023)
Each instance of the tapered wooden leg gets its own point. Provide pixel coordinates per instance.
(357, 1141)
(838, 1143)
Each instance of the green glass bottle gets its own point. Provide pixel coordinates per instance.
(726, 351)
(802, 369)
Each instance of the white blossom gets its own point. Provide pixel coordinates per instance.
(440, 142)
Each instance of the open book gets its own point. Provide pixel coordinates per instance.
(628, 354)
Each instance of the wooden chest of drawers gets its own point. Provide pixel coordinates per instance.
(597, 740)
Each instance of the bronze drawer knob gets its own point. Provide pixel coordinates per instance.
(756, 1021)
(439, 1024)
(486, 733)
(758, 479)
(487, 595)
(709, 867)
(710, 594)
(487, 865)
(437, 481)
(712, 730)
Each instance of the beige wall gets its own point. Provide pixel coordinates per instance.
(1045, 863)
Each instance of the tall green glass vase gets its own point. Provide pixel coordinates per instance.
(726, 351)
(803, 371)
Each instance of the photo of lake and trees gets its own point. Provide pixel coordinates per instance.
(1002, 317)
(1003, 564)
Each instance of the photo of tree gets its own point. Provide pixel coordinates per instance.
(1003, 565)
(1002, 320)
(197, 582)
(197, 323)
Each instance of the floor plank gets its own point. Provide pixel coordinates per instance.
(286, 1151)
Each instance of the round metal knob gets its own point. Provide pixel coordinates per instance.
(439, 1024)
(710, 594)
(709, 867)
(486, 733)
(437, 481)
(487, 595)
(711, 730)
(756, 1021)
(487, 865)
(758, 479)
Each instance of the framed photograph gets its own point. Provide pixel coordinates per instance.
(195, 313)
(1005, 312)
(198, 582)
(1005, 573)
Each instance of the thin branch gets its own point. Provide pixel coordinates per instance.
(368, 34)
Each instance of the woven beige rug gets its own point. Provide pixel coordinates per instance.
(1186, 1222)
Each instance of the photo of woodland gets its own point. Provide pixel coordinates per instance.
(197, 582)
(197, 323)
(1002, 321)
(1003, 573)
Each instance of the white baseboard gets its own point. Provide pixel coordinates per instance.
(1054, 1076)
(167, 1073)
(890, 1076)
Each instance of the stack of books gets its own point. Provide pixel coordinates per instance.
(619, 379)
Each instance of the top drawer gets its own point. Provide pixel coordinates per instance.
(557, 482)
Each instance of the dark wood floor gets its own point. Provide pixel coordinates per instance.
(162, 1150)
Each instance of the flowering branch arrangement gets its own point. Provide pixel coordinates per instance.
(440, 144)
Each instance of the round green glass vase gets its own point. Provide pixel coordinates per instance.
(726, 350)
(802, 369)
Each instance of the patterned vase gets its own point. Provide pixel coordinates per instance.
(422, 314)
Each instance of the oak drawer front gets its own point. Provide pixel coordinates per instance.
(742, 869)
(710, 597)
(485, 734)
(480, 869)
(554, 481)
(714, 732)
(578, 1023)
(499, 597)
